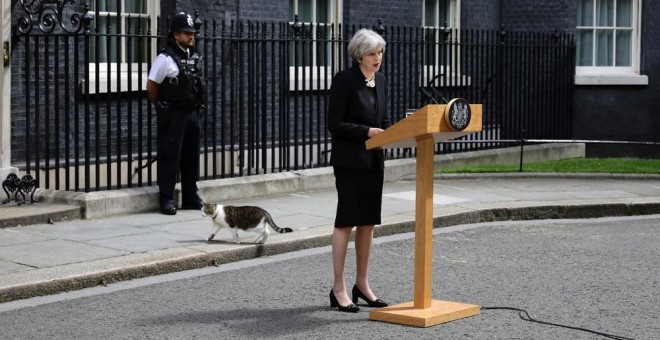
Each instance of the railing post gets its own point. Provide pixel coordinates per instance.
(296, 26)
(522, 149)
(380, 28)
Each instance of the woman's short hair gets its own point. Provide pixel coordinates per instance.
(364, 40)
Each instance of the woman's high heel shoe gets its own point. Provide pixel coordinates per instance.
(352, 308)
(372, 303)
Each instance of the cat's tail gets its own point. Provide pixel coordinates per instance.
(275, 227)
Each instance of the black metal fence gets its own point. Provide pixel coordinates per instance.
(84, 122)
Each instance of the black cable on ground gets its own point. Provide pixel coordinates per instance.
(525, 316)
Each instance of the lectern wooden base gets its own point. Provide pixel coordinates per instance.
(424, 129)
(439, 312)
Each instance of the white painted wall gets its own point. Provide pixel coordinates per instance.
(5, 91)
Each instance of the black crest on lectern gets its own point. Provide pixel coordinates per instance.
(458, 114)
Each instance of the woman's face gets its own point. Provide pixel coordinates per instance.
(372, 60)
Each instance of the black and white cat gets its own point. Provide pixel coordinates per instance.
(247, 218)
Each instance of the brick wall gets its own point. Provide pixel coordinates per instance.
(625, 112)
(273, 10)
(479, 14)
(393, 13)
(539, 15)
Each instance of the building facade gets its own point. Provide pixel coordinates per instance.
(612, 100)
(614, 92)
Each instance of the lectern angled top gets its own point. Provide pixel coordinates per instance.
(429, 120)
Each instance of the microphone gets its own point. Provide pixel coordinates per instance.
(440, 94)
(428, 95)
(436, 92)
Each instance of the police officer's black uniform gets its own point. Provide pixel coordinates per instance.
(180, 100)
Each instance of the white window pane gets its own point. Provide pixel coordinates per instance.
(430, 13)
(292, 9)
(322, 12)
(623, 48)
(586, 13)
(305, 10)
(131, 6)
(437, 13)
(135, 6)
(585, 48)
(103, 6)
(138, 51)
(604, 48)
(301, 7)
(443, 13)
(607, 38)
(605, 13)
(624, 13)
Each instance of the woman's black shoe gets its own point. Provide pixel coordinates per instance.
(372, 303)
(334, 303)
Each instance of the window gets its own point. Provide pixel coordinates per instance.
(114, 48)
(607, 42)
(310, 56)
(440, 21)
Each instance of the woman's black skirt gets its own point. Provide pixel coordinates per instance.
(360, 193)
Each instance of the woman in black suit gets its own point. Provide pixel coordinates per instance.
(357, 112)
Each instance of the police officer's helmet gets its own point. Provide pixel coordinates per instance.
(182, 22)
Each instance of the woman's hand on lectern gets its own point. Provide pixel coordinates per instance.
(374, 131)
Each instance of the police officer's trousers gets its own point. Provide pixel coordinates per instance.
(178, 152)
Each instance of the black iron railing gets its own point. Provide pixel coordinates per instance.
(85, 124)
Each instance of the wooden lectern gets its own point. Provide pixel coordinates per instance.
(424, 129)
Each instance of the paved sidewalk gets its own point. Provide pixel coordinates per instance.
(48, 258)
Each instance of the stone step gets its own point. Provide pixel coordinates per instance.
(13, 215)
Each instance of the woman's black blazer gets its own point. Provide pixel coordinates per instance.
(351, 114)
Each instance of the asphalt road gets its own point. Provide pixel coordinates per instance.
(597, 274)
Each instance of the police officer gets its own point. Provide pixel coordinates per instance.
(176, 86)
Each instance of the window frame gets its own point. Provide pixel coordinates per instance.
(453, 77)
(614, 75)
(318, 77)
(107, 70)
